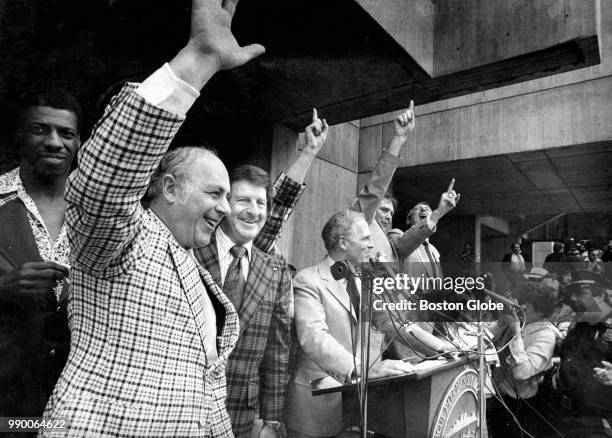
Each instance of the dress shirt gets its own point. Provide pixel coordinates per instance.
(224, 244)
(517, 263)
(11, 188)
(210, 317)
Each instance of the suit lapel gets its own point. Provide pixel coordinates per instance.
(17, 245)
(227, 318)
(260, 278)
(336, 288)
(189, 280)
(209, 258)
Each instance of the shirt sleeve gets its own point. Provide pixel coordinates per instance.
(531, 356)
(167, 91)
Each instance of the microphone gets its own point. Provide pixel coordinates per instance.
(342, 269)
(502, 299)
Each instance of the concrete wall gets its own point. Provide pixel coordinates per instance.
(331, 182)
(559, 110)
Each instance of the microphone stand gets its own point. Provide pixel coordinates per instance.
(481, 358)
(481, 377)
(345, 269)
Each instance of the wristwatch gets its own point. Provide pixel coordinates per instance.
(276, 425)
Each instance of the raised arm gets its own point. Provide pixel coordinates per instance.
(528, 360)
(316, 136)
(406, 243)
(289, 186)
(372, 193)
(127, 144)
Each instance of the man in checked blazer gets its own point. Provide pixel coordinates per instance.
(151, 331)
(258, 368)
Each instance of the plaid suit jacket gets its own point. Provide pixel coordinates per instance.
(137, 365)
(261, 358)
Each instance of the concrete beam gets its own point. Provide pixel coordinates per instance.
(409, 23)
(568, 115)
(497, 223)
(469, 33)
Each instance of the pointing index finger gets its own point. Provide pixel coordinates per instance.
(451, 185)
(315, 116)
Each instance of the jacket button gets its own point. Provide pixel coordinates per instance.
(52, 353)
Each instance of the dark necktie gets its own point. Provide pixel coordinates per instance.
(233, 286)
(353, 291)
(432, 261)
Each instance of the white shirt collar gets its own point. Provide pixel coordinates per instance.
(10, 182)
(224, 244)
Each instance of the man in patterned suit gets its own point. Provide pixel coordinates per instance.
(151, 330)
(259, 286)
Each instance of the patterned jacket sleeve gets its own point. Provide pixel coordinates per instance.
(275, 365)
(369, 197)
(285, 195)
(115, 166)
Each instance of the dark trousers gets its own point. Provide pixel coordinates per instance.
(501, 424)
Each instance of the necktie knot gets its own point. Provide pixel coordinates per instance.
(238, 251)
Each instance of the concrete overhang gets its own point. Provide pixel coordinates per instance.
(349, 58)
(573, 179)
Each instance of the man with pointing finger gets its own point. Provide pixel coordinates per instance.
(34, 337)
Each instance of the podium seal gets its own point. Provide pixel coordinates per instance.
(457, 415)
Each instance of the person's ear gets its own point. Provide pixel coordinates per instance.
(170, 188)
(342, 243)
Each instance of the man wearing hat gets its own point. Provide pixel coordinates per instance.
(577, 401)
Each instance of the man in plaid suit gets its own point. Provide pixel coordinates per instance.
(257, 369)
(151, 331)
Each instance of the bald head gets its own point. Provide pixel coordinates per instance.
(189, 193)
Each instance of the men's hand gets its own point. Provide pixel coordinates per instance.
(448, 201)
(508, 318)
(316, 134)
(211, 35)
(381, 257)
(33, 280)
(389, 367)
(405, 122)
(211, 46)
(603, 375)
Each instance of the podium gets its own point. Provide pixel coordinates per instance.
(438, 399)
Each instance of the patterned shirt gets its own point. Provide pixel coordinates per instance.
(57, 251)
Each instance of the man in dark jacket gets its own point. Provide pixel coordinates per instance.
(34, 256)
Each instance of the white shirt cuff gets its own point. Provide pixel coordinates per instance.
(165, 90)
(517, 350)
